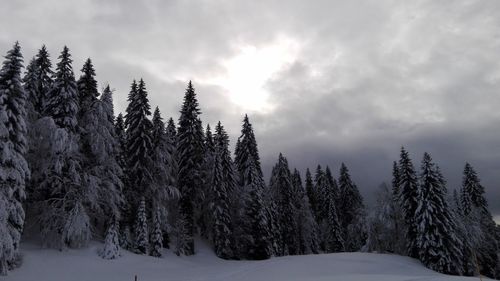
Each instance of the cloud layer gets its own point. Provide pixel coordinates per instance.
(360, 79)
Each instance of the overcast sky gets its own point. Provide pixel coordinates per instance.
(324, 82)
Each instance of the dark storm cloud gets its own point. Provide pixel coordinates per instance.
(367, 76)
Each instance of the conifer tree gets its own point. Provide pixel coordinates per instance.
(141, 244)
(396, 192)
(437, 241)
(121, 138)
(409, 201)
(255, 222)
(111, 249)
(203, 196)
(157, 235)
(282, 190)
(139, 145)
(14, 171)
(190, 157)
(87, 87)
(351, 211)
(475, 208)
(306, 225)
(37, 82)
(62, 101)
(222, 186)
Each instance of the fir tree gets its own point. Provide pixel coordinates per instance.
(306, 225)
(30, 87)
(282, 190)
(45, 79)
(203, 196)
(190, 157)
(121, 139)
(141, 245)
(255, 222)
(157, 235)
(437, 241)
(351, 211)
(14, 171)
(139, 145)
(475, 208)
(87, 87)
(62, 101)
(111, 249)
(409, 201)
(395, 182)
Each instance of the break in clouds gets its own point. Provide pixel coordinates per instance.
(337, 81)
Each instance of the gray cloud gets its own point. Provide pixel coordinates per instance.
(367, 76)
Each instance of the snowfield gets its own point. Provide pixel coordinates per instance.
(86, 265)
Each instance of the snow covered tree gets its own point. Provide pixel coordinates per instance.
(190, 156)
(87, 87)
(62, 101)
(121, 137)
(409, 201)
(139, 145)
(351, 211)
(14, 171)
(203, 195)
(255, 225)
(437, 242)
(157, 235)
(222, 185)
(381, 225)
(141, 245)
(111, 249)
(307, 235)
(103, 173)
(475, 208)
(282, 190)
(38, 81)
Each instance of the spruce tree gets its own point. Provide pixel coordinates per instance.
(351, 211)
(141, 245)
(282, 190)
(437, 241)
(121, 137)
(475, 208)
(37, 82)
(87, 87)
(203, 196)
(222, 185)
(395, 182)
(139, 145)
(255, 222)
(157, 235)
(111, 249)
(14, 171)
(190, 157)
(307, 236)
(409, 201)
(62, 100)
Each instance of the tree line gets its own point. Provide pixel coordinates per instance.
(74, 172)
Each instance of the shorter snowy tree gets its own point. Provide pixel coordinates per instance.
(6, 243)
(156, 235)
(111, 248)
(141, 245)
(381, 226)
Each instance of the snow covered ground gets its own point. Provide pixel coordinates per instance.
(85, 265)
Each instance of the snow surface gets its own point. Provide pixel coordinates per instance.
(85, 264)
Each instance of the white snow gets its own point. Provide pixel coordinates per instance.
(85, 264)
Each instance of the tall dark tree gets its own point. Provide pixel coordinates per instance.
(62, 102)
(139, 144)
(87, 87)
(475, 208)
(351, 211)
(37, 82)
(223, 184)
(306, 225)
(121, 136)
(395, 182)
(14, 171)
(282, 190)
(409, 201)
(256, 225)
(190, 156)
(437, 241)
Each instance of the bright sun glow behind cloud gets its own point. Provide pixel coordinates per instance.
(247, 72)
